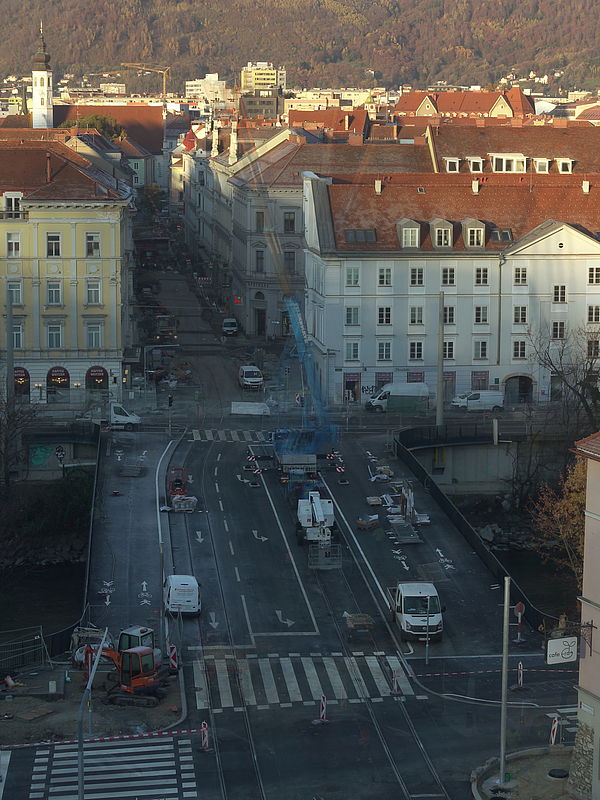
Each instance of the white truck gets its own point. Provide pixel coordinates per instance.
(315, 519)
(115, 416)
(415, 608)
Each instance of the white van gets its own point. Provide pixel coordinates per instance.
(181, 594)
(417, 610)
(484, 400)
(229, 326)
(250, 377)
(407, 398)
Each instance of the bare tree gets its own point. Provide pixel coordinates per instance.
(14, 419)
(573, 357)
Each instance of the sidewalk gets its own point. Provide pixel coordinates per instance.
(529, 775)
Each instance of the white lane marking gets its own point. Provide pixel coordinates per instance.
(231, 550)
(195, 435)
(397, 668)
(334, 678)
(200, 685)
(223, 682)
(215, 472)
(378, 676)
(243, 599)
(268, 680)
(356, 677)
(290, 680)
(291, 559)
(209, 435)
(216, 487)
(219, 456)
(225, 525)
(312, 678)
(246, 682)
(221, 505)
(4, 761)
(237, 574)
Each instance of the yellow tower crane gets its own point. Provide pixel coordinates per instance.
(164, 71)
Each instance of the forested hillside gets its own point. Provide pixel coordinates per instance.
(321, 42)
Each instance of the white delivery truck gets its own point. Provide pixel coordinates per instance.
(181, 594)
(483, 400)
(400, 398)
(415, 608)
(115, 416)
(250, 377)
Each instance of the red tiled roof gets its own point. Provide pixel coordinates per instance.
(333, 118)
(504, 202)
(142, 122)
(285, 163)
(24, 168)
(589, 447)
(470, 103)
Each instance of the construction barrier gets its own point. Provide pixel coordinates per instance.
(204, 735)
(520, 675)
(173, 658)
(554, 730)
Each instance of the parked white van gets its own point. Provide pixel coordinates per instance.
(181, 594)
(484, 400)
(250, 377)
(230, 326)
(405, 398)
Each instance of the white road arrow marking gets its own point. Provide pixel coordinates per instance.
(283, 620)
(259, 538)
(108, 583)
(145, 602)
(199, 537)
(190, 478)
(144, 586)
(439, 552)
(345, 615)
(242, 480)
(213, 623)
(107, 600)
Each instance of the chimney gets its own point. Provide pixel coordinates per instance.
(346, 122)
(475, 186)
(585, 187)
(48, 169)
(233, 143)
(377, 186)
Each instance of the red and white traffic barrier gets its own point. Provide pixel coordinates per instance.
(124, 737)
(520, 675)
(323, 709)
(173, 659)
(204, 735)
(395, 684)
(554, 730)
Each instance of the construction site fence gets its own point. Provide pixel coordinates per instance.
(534, 617)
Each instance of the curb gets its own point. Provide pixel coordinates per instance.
(479, 774)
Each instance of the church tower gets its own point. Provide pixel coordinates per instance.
(41, 74)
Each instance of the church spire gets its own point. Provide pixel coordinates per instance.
(41, 59)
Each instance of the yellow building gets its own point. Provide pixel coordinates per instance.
(65, 266)
(262, 75)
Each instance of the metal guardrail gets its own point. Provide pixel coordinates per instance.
(533, 615)
(462, 433)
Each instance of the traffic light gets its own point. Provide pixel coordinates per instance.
(237, 300)
(170, 400)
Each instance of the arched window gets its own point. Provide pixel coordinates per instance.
(259, 296)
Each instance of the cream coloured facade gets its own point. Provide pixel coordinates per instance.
(65, 266)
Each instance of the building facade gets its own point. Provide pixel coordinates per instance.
(66, 260)
(262, 75)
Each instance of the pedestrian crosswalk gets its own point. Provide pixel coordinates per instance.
(214, 435)
(282, 681)
(140, 769)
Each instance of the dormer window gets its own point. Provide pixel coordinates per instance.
(565, 165)
(452, 164)
(501, 235)
(475, 164)
(409, 233)
(441, 233)
(473, 233)
(509, 162)
(542, 165)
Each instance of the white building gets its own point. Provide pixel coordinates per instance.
(41, 88)
(262, 75)
(209, 88)
(380, 255)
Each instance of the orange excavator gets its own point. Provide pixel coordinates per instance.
(136, 680)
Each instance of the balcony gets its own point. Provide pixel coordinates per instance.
(9, 216)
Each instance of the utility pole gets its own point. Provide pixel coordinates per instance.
(503, 706)
(87, 698)
(10, 357)
(439, 403)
